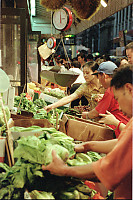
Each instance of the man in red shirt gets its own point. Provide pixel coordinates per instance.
(115, 169)
(108, 102)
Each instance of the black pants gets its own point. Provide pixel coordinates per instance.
(71, 90)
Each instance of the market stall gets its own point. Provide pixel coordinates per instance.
(33, 134)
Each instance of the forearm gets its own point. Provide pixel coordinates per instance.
(61, 102)
(83, 172)
(100, 146)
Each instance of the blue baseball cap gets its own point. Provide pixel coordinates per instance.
(106, 67)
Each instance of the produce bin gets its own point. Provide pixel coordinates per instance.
(27, 123)
(84, 130)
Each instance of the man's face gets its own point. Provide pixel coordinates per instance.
(103, 80)
(129, 53)
(80, 59)
(124, 98)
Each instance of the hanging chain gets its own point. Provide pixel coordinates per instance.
(51, 24)
(65, 51)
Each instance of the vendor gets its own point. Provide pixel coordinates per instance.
(115, 169)
(75, 67)
(88, 89)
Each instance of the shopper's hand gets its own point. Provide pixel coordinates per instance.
(57, 166)
(85, 115)
(83, 147)
(48, 108)
(108, 118)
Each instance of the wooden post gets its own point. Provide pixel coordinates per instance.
(9, 141)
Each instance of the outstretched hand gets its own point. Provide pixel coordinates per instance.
(82, 148)
(108, 118)
(48, 108)
(57, 166)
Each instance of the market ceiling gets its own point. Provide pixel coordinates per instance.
(42, 21)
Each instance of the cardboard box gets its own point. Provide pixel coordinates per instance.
(84, 130)
(27, 123)
(15, 135)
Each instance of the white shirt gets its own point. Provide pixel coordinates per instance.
(80, 78)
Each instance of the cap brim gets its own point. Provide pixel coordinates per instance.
(96, 73)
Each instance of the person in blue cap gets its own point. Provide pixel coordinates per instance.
(107, 107)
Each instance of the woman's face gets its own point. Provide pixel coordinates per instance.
(87, 72)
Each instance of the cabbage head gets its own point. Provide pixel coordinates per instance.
(62, 152)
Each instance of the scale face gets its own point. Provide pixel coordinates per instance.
(51, 43)
(62, 19)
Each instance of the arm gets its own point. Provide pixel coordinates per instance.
(91, 114)
(61, 102)
(97, 146)
(110, 119)
(58, 167)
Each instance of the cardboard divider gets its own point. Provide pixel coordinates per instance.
(24, 114)
(31, 122)
(85, 130)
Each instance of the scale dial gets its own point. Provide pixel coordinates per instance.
(51, 43)
(62, 19)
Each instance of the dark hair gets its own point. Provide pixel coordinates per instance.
(82, 56)
(92, 65)
(90, 56)
(51, 63)
(129, 46)
(74, 59)
(122, 76)
(106, 57)
(76, 64)
(117, 62)
(63, 57)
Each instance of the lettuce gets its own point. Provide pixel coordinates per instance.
(62, 152)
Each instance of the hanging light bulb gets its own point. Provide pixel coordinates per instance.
(104, 3)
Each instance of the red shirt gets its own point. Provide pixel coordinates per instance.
(115, 169)
(109, 103)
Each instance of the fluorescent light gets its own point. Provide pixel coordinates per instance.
(33, 7)
(104, 4)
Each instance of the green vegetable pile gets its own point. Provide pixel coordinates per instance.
(40, 103)
(72, 111)
(27, 173)
(25, 104)
(36, 108)
(54, 92)
(28, 105)
(7, 111)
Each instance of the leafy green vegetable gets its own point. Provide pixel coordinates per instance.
(61, 151)
(41, 195)
(25, 104)
(8, 114)
(40, 103)
(94, 155)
